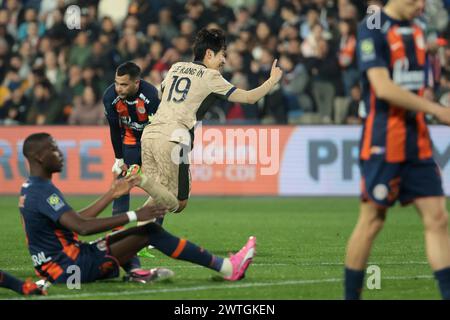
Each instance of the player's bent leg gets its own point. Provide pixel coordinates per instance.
(155, 189)
(232, 268)
(435, 219)
(370, 222)
(124, 246)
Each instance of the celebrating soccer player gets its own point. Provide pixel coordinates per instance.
(51, 227)
(188, 90)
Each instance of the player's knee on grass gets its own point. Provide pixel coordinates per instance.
(181, 205)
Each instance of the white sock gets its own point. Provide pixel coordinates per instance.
(227, 268)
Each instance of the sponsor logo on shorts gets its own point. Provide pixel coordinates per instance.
(101, 245)
(380, 192)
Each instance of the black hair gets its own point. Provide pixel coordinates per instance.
(213, 39)
(33, 142)
(129, 68)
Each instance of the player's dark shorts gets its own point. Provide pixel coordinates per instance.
(384, 183)
(131, 154)
(94, 263)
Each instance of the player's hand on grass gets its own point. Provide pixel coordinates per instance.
(119, 167)
(275, 72)
(150, 212)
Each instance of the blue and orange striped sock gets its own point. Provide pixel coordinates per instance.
(10, 282)
(182, 249)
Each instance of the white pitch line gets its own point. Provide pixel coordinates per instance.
(214, 287)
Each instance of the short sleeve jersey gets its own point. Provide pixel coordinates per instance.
(188, 90)
(52, 247)
(389, 130)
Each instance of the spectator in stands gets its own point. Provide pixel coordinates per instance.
(74, 85)
(243, 21)
(325, 78)
(346, 54)
(269, 11)
(52, 72)
(45, 107)
(294, 86)
(108, 29)
(15, 109)
(81, 52)
(221, 14)
(37, 45)
(353, 107)
(312, 19)
(310, 46)
(31, 18)
(197, 12)
(183, 46)
(168, 28)
(88, 110)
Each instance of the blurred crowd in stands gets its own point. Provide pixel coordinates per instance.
(53, 73)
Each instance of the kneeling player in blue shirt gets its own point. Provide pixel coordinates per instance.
(51, 227)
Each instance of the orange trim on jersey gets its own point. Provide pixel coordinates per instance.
(122, 110)
(396, 45)
(367, 139)
(179, 248)
(129, 137)
(396, 135)
(53, 270)
(141, 111)
(423, 137)
(71, 250)
(419, 44)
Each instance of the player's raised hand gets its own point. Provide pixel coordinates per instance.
(119, 187)
(275, 72)
(151, 212)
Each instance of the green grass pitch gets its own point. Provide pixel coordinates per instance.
(300, 252)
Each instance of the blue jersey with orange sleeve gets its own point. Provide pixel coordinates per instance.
(52, 247)
(390, 130)
(127, 118)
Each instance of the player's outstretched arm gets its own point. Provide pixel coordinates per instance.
(87, 226)
(118, 188)
(252, 96)
(387, 90)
